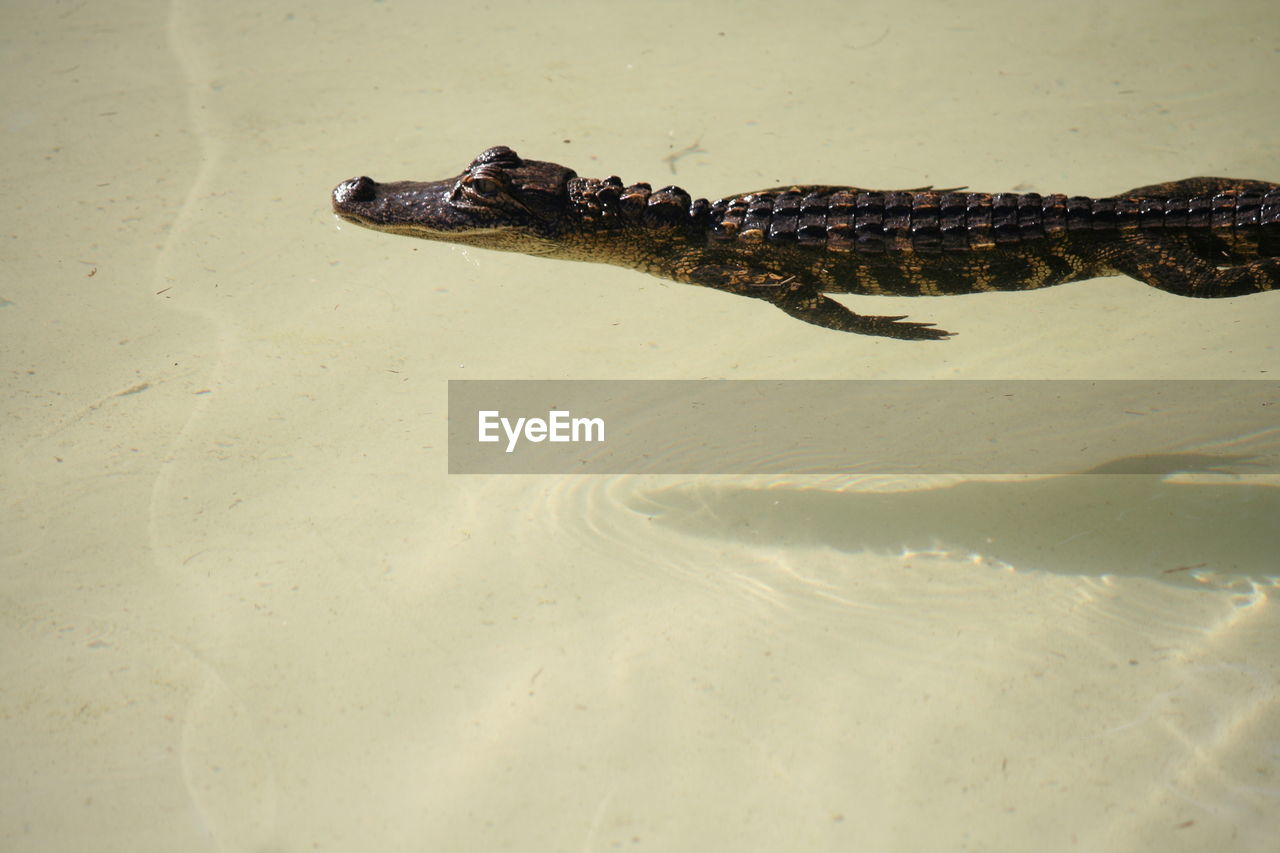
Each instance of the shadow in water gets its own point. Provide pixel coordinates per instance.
(1083, 524)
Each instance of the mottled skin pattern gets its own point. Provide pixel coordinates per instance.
(1203, 237)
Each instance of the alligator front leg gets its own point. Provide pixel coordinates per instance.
(804, 301)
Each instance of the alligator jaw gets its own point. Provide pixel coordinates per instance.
(498, 202)
(415, 209)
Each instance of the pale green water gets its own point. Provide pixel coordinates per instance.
(246, 609)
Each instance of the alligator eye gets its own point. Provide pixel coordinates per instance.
(484, 187)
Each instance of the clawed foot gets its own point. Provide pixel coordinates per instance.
(892, 327)
(822, 311)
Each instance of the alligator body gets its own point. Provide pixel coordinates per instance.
(1203, 237)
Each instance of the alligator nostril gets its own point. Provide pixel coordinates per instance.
(355, 190)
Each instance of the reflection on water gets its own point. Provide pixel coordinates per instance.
(1090, 524)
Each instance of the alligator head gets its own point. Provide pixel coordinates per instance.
(499, 202)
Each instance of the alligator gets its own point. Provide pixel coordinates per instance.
(1203, 237)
